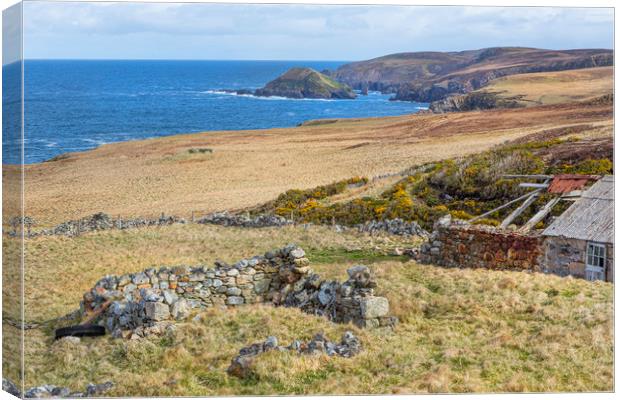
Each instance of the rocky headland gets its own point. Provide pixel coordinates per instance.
(301, 83)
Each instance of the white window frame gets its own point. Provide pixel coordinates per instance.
(596, 260)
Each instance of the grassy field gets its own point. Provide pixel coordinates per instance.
(553, 87)
(460, 330)
(248, 168)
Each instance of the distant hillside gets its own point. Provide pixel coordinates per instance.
(431, 76)
(535, 89)
(306, 83)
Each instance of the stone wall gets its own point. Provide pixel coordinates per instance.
(479, 246)
(145, 302)
(245, 221)
(96, 222)
(395, 226)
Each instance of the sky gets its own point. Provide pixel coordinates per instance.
(297, 32)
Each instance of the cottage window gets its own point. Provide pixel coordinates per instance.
(595, 262)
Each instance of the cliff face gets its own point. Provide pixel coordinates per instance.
(472, 101)
(298, 83)
(432, 76)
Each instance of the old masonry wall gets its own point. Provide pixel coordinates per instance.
(478, 246)
(141, 302)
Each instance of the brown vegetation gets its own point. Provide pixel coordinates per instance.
(247, 168)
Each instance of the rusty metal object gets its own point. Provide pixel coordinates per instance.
(566, 183)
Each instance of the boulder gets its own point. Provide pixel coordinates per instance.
(374, 307)
(157, 311)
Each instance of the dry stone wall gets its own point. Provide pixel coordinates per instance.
(146, 302)
(479, 246)
(96, 222)
(245, 221)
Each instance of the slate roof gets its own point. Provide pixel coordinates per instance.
(589, 218)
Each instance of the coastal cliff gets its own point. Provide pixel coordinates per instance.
(433, 76)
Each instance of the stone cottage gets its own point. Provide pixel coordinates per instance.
(580, 242)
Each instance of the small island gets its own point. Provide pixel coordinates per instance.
(302, 83)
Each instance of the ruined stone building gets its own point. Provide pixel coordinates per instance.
(580, 242)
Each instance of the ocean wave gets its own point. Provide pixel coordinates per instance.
(94, 141)
(221, 92)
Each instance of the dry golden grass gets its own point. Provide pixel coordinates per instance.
(250, 167)
(460, 331)
(554, 87)
(59, 269)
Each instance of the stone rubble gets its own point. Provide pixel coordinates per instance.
(147, 302)
(102, 221)
(245, 221)
(241, 365)
(48, 391)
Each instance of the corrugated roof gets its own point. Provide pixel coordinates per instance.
(566, 183)
(589, 218)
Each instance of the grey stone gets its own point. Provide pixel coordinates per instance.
(156, 311)
(140, 279)
(373, 307)
(233, 291)
(180, 309)
(270, 343)
(262, 286)
(297, 253)
(170, 297)
(11, 388)
(234, 300)
(129, 288)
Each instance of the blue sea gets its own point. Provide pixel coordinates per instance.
(77, 105)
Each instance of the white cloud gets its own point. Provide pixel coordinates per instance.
(160, 30)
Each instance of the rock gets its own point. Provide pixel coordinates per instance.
(156, 311)
(373, 307)
(234, 300)
(38, 392)
(259, 221)
(232, 272)
(297, 252)
(233, 291)
(261, 286)
(393, 227)
(271, 343)
(327, 293)
(72, 340)
(361, 276)
(180, 309)
(170, 297)
(9, 387)
(443, 222)
(241, 367)
(140, 279)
